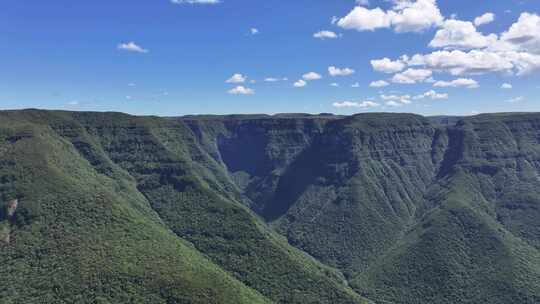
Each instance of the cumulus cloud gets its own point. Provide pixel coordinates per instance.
(458, 62)
(195, 1)
(253, 31)
(477, 62)
(457, 34)
(525, 33)
(311, 76)
(300, 83)
(132, 47)
(516, 99)
(325, 35)
(355, 85)
(484, 19)
(353, 104)
(412, 76)
(393, 99)
(388, 66)
(274, 79)
(458, 83)
(241, 90)
(378, 84)
(432, 95)
(333, 71)
(237, 78)
(405, 16)
(506, 86)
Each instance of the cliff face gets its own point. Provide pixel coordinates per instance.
(363, 194)
(290, 208)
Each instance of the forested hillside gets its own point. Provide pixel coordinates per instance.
(291, 208)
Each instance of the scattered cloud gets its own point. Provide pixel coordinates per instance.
(352, 104)
(333, 71)
(484, 19)
(237, 78)
(74, 103)
(524, 35)
(458, 83)
(516, 99)
(274, 79)
(405, 16)
(132, 47)
(355, 85)
(412, 76)
(326, 35)
(457, 34)
(457, 62)
(378, 84)
(253, 31)
(334, 84)
(506, 86)
(196, 1)
(311, 76)
(388, 66)
(362, 2)
(300, 83)
(432, 95)
(241, 90)
(401, 99)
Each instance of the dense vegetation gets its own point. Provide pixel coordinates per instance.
(292, 208)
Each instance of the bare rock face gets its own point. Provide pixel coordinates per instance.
(12, 207)
(5, 229)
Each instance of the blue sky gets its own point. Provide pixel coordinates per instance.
(164, 58)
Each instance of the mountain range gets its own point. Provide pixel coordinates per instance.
(287, 208)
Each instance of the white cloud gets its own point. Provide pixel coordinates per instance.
(506, 86)
(457, 34)
(392, 103)
(274, 79)
(195, 1)
(386, 65)
(362, 2)
(353, 104)
(311, 76)
(253, 31)
(364, 19)
(325, 35)
(458, 62)
(355, 85)
(525, 33)
(132, 47)
(74, 103)
(237, 78)
(412, 76)
(484, 19)
(402, 99)
(300, 84)
(378, 84)
(458, 83)
(516, 99)
(241, 90)
(405, 16)
(334, 84)
(333, 71)
(432, 95)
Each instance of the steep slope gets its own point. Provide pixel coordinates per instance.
(412, 210)
(403, 209)
(74, 233)
(188, 192)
